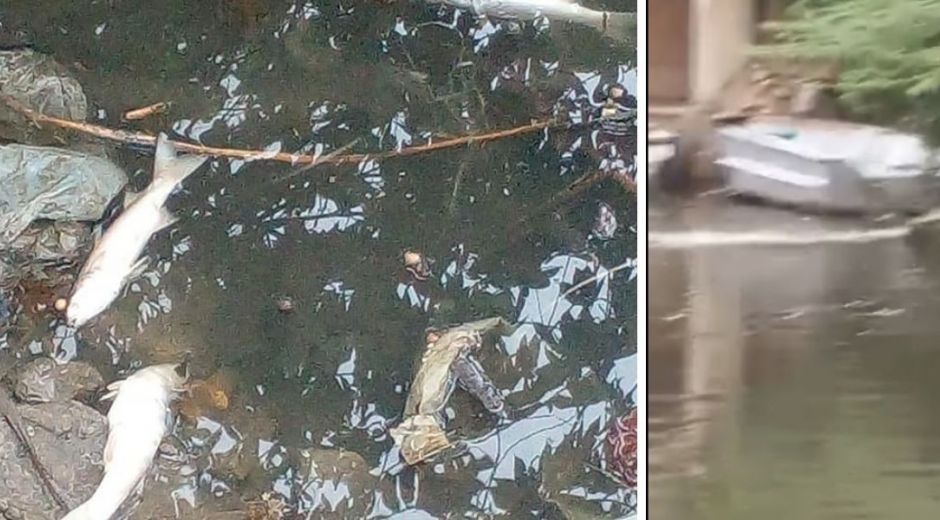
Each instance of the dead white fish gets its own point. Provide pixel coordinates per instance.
(137, 422)
(621, 26)
(116, 255)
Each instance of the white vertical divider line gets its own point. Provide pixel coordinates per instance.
(642, 178)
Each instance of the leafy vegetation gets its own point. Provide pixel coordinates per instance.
(888, 53)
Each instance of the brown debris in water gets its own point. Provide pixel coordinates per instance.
(147, 111)
(417, 264)
(206, 395)
(419, 437)
(267, 507)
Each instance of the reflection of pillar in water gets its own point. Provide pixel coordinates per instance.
(713, 348)
(715, 332)
(705, 359)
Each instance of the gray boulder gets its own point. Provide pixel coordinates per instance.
(69, 439)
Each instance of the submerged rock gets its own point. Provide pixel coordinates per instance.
(36, 270)
(69, 438)
(42, 257)
(51, 242)
(45, 381)
(206, 395)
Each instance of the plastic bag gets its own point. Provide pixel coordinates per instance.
(54, 184)
(39, 82)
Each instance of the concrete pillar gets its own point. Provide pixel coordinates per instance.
(722, 33)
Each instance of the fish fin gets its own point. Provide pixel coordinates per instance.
(619, 26)
(130, 197)
(137, 269)
(167, 219)
(170, 168)
(112, 391)
(108, 452)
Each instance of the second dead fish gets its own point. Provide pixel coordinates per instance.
(137, 422)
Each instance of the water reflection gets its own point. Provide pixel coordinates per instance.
(318, 388)
(790, 378)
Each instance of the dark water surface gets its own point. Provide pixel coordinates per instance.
(332, 376)
(794, 381)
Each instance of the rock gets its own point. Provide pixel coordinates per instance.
(48, 242)
(39, 82)
(52, 184)
(45, 381)
(40, 246)
(69, 440)
(39, 266)
(6, 310)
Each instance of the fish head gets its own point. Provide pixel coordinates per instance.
(171, 376)
(91, 296)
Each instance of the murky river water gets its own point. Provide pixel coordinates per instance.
(791, 381)
(333, 375)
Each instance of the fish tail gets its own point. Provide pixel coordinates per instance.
(620, 26)
(171, 169)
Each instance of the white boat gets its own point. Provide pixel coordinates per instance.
(829, 165)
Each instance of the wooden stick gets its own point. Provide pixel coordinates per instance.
(147, 111)
(334, 153)
(597, 277)
(148, 140)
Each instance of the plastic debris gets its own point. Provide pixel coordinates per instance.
(39, 82)
(446, 363)
(53, 184)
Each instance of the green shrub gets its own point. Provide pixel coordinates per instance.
(887, 51)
